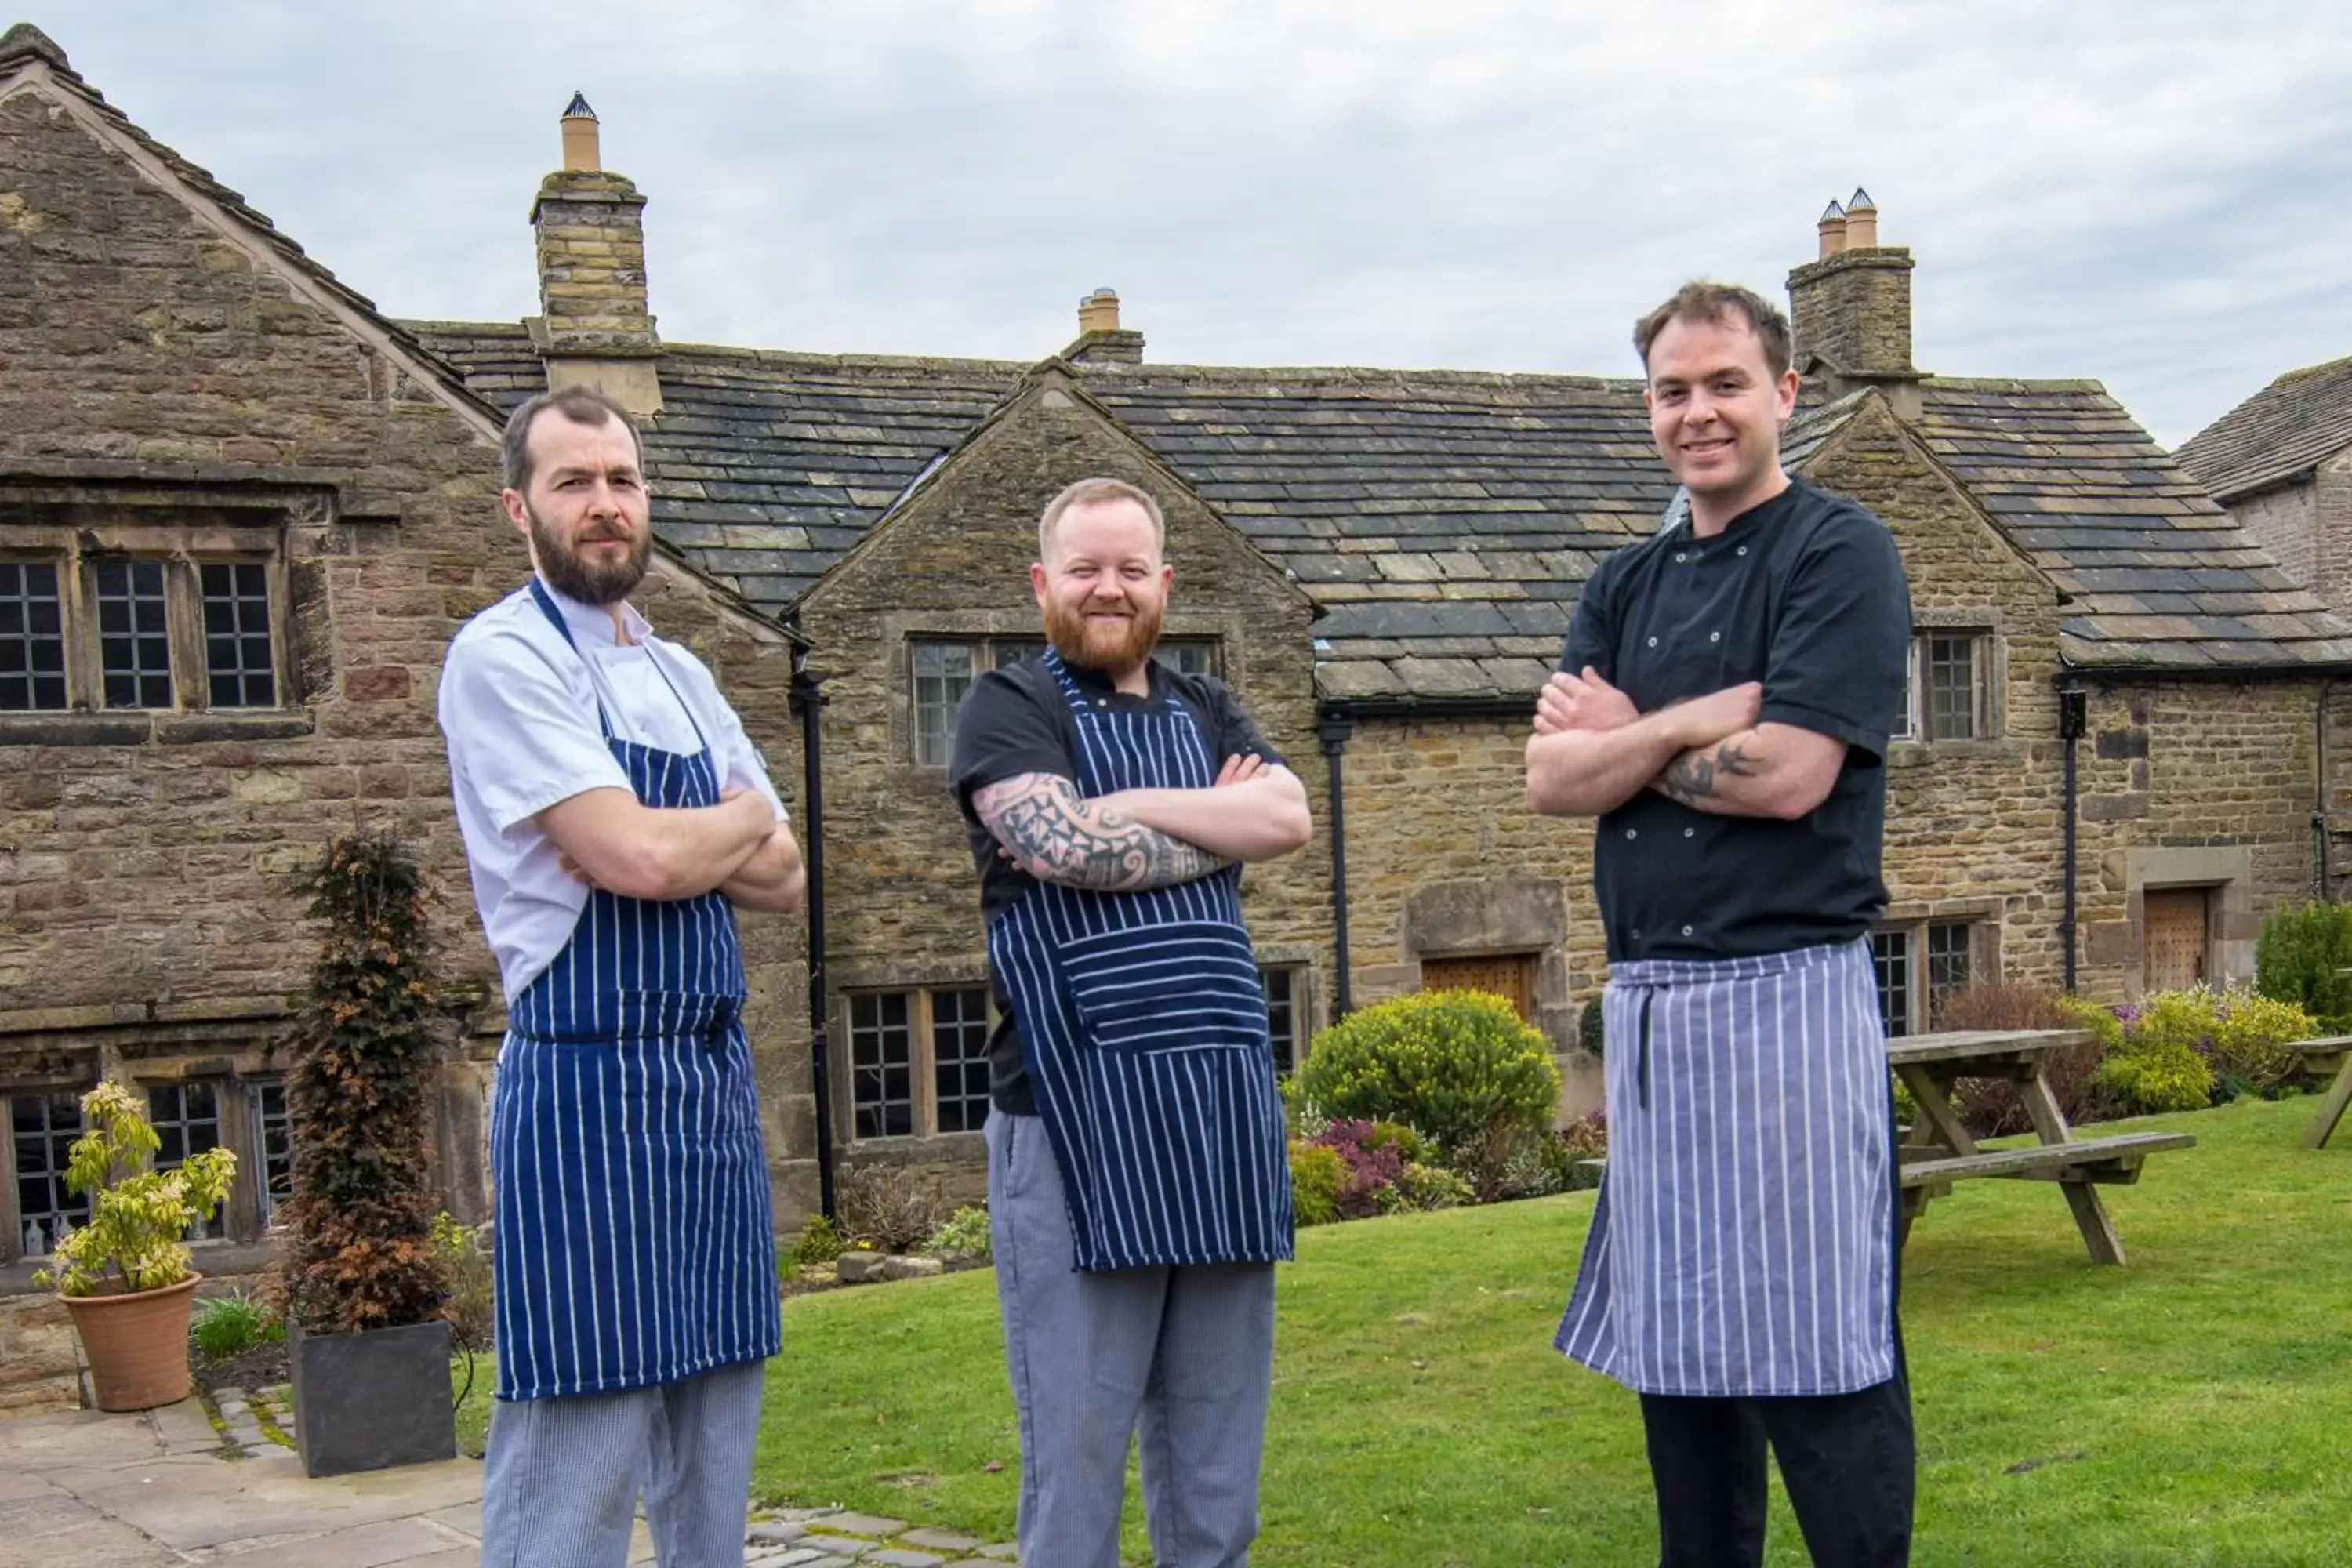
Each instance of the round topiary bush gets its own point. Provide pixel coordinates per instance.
(1460, 1067)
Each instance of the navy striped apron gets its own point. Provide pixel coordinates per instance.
(1143, 1027)
(633, 1243)
(1743, 1241)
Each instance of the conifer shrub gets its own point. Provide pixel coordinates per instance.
(2301, 957)
(360, 1251)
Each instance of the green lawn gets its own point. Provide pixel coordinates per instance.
(2193, 1408)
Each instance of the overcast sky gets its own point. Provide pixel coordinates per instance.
(2158, 195)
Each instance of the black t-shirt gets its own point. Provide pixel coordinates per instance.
(1805, 593)
(1015, 721)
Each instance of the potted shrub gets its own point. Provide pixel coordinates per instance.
(127, 1276)
(364, 1290)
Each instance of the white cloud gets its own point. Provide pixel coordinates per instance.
(2149, 194)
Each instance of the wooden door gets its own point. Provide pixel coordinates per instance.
(2175, 926)
(1510, 975)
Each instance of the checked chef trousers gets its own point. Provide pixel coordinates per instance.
(1184, 1354)
(559, 1488)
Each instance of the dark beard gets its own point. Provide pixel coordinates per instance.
(1089, 647)
(571, 575)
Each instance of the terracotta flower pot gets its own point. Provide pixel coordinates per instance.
(137, 1344)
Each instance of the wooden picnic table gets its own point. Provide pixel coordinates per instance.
(2327, 1060)
(1939, 1149)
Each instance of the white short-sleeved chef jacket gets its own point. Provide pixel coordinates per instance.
(518, 708)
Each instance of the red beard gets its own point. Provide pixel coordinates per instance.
(1113, 647)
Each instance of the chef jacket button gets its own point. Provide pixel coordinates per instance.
(1678, 555)
(1743, 550)
(1631, 833)
(1714, 637)
(1686, 931)
(1637, 933)
(1689, 832)
(1653, 642)
(1102, 701)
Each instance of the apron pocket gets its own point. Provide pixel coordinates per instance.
(1182, 985)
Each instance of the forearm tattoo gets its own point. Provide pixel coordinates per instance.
(1691, 777)
(1055, 835)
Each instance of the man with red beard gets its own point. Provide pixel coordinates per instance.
(615, 817)
(1139, 1185)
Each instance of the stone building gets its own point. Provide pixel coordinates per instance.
(2110, 755)
(241, 513)
(2281, 463)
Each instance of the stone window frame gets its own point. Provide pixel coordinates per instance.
(1290, 1044)
(182, 548)
(993, 649)
(244, 1218)
(923, 1024)
(1985, 661)
(1920, 927)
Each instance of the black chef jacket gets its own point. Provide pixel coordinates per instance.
(1806, 595)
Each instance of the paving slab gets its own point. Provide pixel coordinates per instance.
(393, 1540)
(270, 1496)
(78, 1440)
(864, 1524)
(100, 1542)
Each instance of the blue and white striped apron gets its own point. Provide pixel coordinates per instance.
(1143, 1027)
(1743, 1241)
(633, 1243)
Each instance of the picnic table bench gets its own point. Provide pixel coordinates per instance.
(1938, 1150)
(2328, 1060)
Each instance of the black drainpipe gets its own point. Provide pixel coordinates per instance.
(808, 701)
(2319, 787)
(1336, 728)
(2073, 723)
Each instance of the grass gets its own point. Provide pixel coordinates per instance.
(2188, 1409)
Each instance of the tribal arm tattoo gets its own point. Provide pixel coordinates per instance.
(1691, 777)
(1055, 835)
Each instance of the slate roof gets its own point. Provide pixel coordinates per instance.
(2158, 577)
(1444, 521)
(2278, 434)
(767, 467)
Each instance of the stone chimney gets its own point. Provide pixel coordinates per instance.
(1101, 340)
(1851, 308)
(594, 329)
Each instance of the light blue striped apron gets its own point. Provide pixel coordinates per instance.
(1743, 1241)
(633, 1243)
(1143, 1027)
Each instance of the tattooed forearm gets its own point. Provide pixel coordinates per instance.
(1691, 777)
(1052, 833)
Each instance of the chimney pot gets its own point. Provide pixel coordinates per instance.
(1098, 313)
(1833, 230)
(580, 149)
(1860, 221)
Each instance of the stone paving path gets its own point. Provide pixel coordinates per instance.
(170, 1487)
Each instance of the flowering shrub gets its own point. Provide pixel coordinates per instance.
(1316, 1172)
(139, 1217)
(1457, 1066)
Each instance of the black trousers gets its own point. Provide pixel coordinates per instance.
(1846, 1459)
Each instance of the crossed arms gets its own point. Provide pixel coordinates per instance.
(1593, 751)
(1141, 839)
(610, 839)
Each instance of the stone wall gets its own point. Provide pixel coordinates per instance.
(1854, 310)
(2193, 784)
(172, 382)
(954, 563)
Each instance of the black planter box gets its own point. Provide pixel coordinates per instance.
(364, 1401)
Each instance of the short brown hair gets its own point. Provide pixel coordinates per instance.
(1717, 302)
(1092, 492)
(580, 404)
